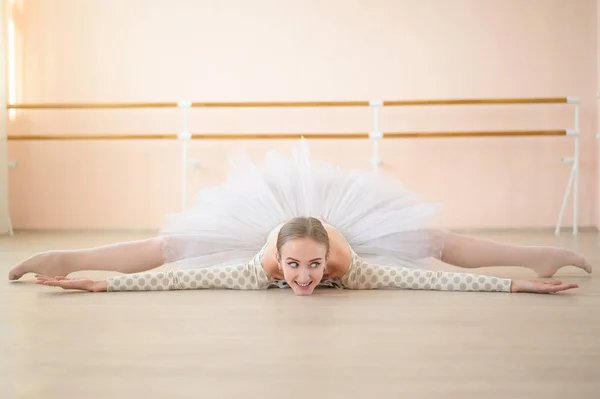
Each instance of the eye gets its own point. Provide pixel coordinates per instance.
(292, 264)
(316, 264)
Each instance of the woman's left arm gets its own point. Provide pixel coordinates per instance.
(363, 275)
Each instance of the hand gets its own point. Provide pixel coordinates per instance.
(540, 286)
(72, 283)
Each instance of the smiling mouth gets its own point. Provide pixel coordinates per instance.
(304, 285)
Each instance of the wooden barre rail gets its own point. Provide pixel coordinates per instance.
(258, 104)
(374, 105)
(279, 136)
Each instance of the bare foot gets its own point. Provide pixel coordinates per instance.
(553, 259)
(49, 263)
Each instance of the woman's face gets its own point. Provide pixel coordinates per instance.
(303, 261)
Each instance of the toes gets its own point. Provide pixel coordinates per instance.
(583, 263)
(17, 272)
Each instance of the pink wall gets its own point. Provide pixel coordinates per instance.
(4, 220)
(159, 50)
(598, 109)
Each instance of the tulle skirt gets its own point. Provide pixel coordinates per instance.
(229, 223)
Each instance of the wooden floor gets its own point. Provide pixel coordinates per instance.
(272, 344)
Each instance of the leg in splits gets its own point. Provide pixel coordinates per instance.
(126, 257)
(470, 252)
(138, 256)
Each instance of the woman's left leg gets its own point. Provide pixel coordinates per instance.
(471, 252)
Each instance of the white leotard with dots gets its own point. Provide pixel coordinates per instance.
(361, 275)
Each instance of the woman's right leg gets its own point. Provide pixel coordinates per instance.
(125, 257)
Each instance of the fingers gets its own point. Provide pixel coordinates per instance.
(55, 277)
(42, 278)
(551, 288)
(545, 286)
(51, 282)
(564, 287)
(553, 282)
(65, 284)
(45, 280)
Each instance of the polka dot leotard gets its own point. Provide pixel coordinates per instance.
(361, 275)
(245, 276)
(364, 276)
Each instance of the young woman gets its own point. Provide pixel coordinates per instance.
(301, 224)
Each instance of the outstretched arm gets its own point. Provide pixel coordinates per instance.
(246, 276)
(240, 277)
(363, 275)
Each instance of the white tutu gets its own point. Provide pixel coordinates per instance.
(229, 223)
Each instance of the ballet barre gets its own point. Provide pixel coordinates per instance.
(284, 136)
(293, 104)
(375, 136)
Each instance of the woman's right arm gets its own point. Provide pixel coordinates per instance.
(244, 276)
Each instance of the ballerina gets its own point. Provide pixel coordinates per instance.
(301, 224)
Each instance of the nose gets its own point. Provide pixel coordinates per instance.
(304, 276)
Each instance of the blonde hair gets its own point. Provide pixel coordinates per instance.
(303, 227)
